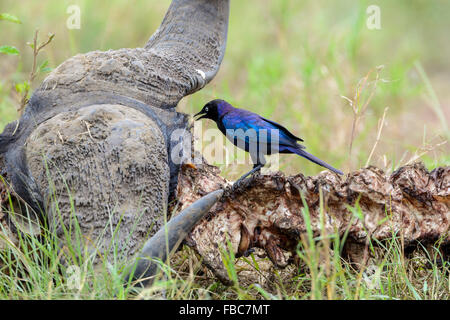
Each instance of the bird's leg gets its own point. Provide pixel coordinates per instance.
(248, 252)
(237, 183)
(256, 167)
(258, 164)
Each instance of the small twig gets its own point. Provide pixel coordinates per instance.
(31, 76)
(88, 130)
(36, 49)
(60, 137)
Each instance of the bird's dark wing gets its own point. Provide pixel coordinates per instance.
(238, 126)
(280, 127)
(246, 120)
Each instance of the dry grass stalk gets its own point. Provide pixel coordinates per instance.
(380, 128)
(358, 107)
(423, 150)
(33, 73)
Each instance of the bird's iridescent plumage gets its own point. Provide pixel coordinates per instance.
(245, 129)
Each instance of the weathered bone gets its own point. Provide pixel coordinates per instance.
(412, 203)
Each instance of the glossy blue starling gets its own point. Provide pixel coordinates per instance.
(255, 134)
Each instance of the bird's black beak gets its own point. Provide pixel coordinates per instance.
(202, 114)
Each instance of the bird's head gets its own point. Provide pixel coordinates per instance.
(213, 110)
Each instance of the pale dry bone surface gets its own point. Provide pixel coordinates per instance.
(108, 160)
(266, 214)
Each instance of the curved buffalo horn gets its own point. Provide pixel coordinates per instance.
(168, 238)
(190, 43)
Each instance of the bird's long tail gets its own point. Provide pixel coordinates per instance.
(314, 159)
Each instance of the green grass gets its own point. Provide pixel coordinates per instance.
(49, 268)
(291, 61)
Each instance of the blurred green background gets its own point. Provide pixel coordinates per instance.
(291, 61)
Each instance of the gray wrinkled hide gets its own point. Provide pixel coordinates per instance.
(112, 160)
(95, 136)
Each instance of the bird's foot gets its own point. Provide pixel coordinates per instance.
(237, 185)
(248, 252)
